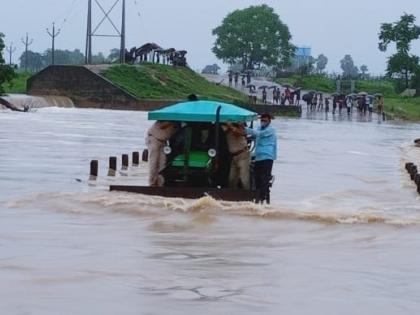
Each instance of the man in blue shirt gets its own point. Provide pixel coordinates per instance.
(265, 153)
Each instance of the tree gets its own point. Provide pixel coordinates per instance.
(99, 58)
(7, 73)
(211, 69)
(321, 63)
(364, 70)
(114, 55)
(402, 33)
(403, 66)
(35, 61)
(253, 36)
(349, 69)
(308, 67)
(65, 57)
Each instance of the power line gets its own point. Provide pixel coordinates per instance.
(11, 50)
(53, 35)
(27, 43)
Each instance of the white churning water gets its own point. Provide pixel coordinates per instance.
(22, 101)
(341, 237)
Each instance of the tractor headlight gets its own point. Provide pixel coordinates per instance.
(167, 149)
(212, 153)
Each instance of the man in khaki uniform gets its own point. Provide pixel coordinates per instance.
(238, 148)
(156, 138)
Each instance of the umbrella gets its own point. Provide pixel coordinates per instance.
(202, 111)
(362, 93)
(262, 87)
(273, 87)
(352, 95)
(298, 88)
(335, 94)
(252, 86)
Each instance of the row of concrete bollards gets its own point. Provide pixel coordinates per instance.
(414, 174)
(113, 164)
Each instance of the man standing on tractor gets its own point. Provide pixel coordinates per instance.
(265, 154)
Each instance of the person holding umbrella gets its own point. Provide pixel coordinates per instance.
(264, 93)
(275, 99)
(235, 78)
(287, 94)
(230, 75)
(297, 93)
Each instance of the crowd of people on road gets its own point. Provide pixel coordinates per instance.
(234, 79)
(280, 95)
(287, 95)
(364, 103)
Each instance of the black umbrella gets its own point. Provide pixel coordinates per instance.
(273, 87)
(262, 87)
(251, 86)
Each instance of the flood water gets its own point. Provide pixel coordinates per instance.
(341, 236)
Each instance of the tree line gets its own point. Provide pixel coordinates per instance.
(37, 61)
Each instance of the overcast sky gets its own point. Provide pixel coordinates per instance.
(331, 27)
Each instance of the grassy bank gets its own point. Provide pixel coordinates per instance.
(18, 85)
(153, 81)
(313, 82)
(403, 108)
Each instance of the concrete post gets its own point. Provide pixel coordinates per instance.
(112, 165)
(125, 161)
(135, 158)
(94, 168)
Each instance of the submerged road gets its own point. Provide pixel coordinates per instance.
(341, 236)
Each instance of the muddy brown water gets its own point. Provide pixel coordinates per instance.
(341, 237)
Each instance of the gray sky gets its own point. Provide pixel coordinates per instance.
(331, 27)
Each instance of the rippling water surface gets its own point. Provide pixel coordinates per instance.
(341, 237)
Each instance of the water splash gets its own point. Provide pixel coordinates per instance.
(100, 203)
(30, 102)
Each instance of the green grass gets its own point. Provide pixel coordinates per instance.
(385, 87)
(18, 84)
(403, 108)
(312, 82)
(161, 82)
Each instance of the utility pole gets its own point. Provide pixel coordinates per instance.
(27, 42)
(122, 47)
(91, 32)
(11, 50)
(88, 52)
(53, 36)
